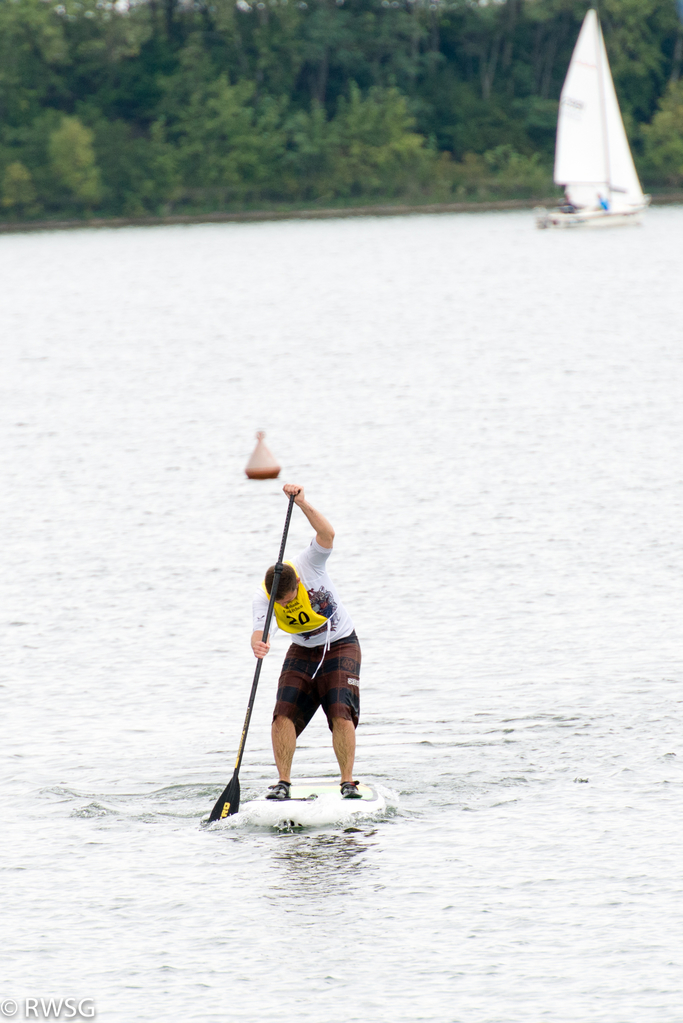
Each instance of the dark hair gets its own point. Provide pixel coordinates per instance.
(287, 581)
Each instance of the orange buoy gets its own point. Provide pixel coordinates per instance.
(262, 464)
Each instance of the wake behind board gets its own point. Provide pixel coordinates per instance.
(312, 803)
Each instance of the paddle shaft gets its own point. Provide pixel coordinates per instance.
(229, 802)
(266, 628)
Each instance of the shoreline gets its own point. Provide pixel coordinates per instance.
(255, 216)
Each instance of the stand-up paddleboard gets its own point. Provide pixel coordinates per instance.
(312, 803)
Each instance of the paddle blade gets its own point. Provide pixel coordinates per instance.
(229, 801)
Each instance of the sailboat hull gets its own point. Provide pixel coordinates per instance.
(589, 218)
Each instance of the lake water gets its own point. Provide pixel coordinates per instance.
(492, 419)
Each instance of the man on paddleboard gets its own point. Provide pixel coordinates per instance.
(322, 666)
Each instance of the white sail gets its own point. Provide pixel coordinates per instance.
(592, 155)
(623, 177)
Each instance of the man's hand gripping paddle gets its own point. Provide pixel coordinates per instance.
(229, 802)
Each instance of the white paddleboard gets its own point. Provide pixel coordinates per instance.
(311, 803)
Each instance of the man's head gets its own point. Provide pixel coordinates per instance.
(288, 587)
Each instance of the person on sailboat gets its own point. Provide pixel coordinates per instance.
(322, 666)
(568, 206)
(602, 202)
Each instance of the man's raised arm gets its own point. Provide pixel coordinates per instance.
(324, 533)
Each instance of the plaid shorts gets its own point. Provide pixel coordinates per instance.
(335, 687)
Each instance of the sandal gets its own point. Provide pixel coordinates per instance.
(279, 791)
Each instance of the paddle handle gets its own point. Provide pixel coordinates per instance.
(269, 615)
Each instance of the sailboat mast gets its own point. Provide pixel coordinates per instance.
(603, 107)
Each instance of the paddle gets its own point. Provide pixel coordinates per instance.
(229, 802)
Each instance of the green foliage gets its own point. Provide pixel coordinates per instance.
(518, 173)
(376, 146)
(634, 32)
(33, 57)
(225, 141)
(368, 148)
(165, 104)
(72, 159)
(18, 190)
(139, 171)
(500, 172)
(664, 137)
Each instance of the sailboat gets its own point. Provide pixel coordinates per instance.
(593, 161)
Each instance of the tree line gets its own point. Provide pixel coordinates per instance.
(145, 106)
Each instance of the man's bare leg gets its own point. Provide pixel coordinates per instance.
(344, 745)
(283, 734)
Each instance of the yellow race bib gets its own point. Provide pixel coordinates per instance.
(298, 615)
